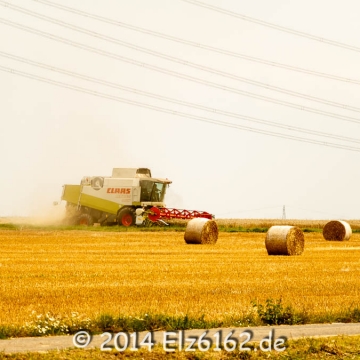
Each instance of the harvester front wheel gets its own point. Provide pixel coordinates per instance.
(126, 217)
(86, 220)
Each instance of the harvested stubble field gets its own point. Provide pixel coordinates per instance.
(267, 223)
(132, 273)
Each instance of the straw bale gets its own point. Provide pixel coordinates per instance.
(337, 230)
(201, 231)
(284, 240)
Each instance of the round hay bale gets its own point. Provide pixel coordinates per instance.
(337, 230)
(201, 231)
(284, 240)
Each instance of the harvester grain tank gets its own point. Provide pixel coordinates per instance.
(115, 199)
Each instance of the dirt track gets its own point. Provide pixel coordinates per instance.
(258, 333)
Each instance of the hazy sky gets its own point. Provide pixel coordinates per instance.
(51, 135)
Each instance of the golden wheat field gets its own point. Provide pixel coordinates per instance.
(266, 223)
(130, 273)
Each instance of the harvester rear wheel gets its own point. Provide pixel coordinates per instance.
(126, 217)
(86, 220)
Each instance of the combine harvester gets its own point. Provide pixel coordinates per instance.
(130, 196)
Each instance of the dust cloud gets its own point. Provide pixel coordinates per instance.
(51, 215)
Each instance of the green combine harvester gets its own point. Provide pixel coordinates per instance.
(124, 198)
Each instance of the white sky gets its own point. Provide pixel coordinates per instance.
(51, 136)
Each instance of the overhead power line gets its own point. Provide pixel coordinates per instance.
(177, 74)
(174, 112)
(198, 45)
(179, 61)
(176, 101)
(273, 26)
